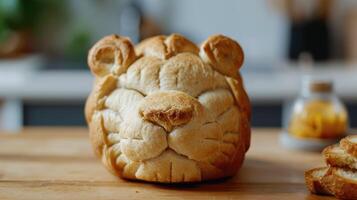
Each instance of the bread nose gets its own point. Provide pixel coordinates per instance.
(168, 109)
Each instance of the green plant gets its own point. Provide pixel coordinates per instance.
(23, 15)
(78, 44)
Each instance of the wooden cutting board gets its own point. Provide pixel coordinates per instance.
(58, 163)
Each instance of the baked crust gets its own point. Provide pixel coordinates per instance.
(313, 179)
(243, 102)
(337, 157)
(112, 54)
(165, 47)
(169, 109)
(340, 185)
(224, 54)
(97, 134)
(165, 112)
(95, 101)
(349, 143)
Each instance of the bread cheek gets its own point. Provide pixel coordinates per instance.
(139, 139)
(169, 167)
(142, 140)
(208, 145)
(197, 143)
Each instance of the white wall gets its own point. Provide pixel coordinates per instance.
(340, 9)
(260, 29)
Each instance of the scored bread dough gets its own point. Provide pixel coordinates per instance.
(170, 112)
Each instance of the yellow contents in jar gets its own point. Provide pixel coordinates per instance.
(318, 119)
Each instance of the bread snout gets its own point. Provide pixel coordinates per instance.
(169, 109)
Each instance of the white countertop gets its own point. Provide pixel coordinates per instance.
(263, 86)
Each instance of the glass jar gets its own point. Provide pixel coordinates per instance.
(316, 118)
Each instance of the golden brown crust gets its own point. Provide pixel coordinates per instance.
(102, 87)
(224, 54)
(112, 54)
(168, 109)
(97, 133)
(245, 132)
(153, 46)
(238, 157)
(176, 43)
(168, 116)
(243, 103)
(165, 47)
(339, 185)
(338, 157)
(240, 95)
(313, 179)
(349, 145)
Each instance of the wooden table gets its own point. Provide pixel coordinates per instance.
(58, 163)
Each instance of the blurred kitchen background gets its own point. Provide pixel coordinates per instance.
(44, 78)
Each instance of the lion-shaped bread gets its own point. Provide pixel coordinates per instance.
(167, 111)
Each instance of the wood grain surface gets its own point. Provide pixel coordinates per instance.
(58, 163)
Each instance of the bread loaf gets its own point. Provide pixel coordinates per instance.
(339, 178)
(313, 179)
(168, 111)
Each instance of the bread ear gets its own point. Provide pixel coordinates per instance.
(224, 54)
(165, 47)
(112, 54)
